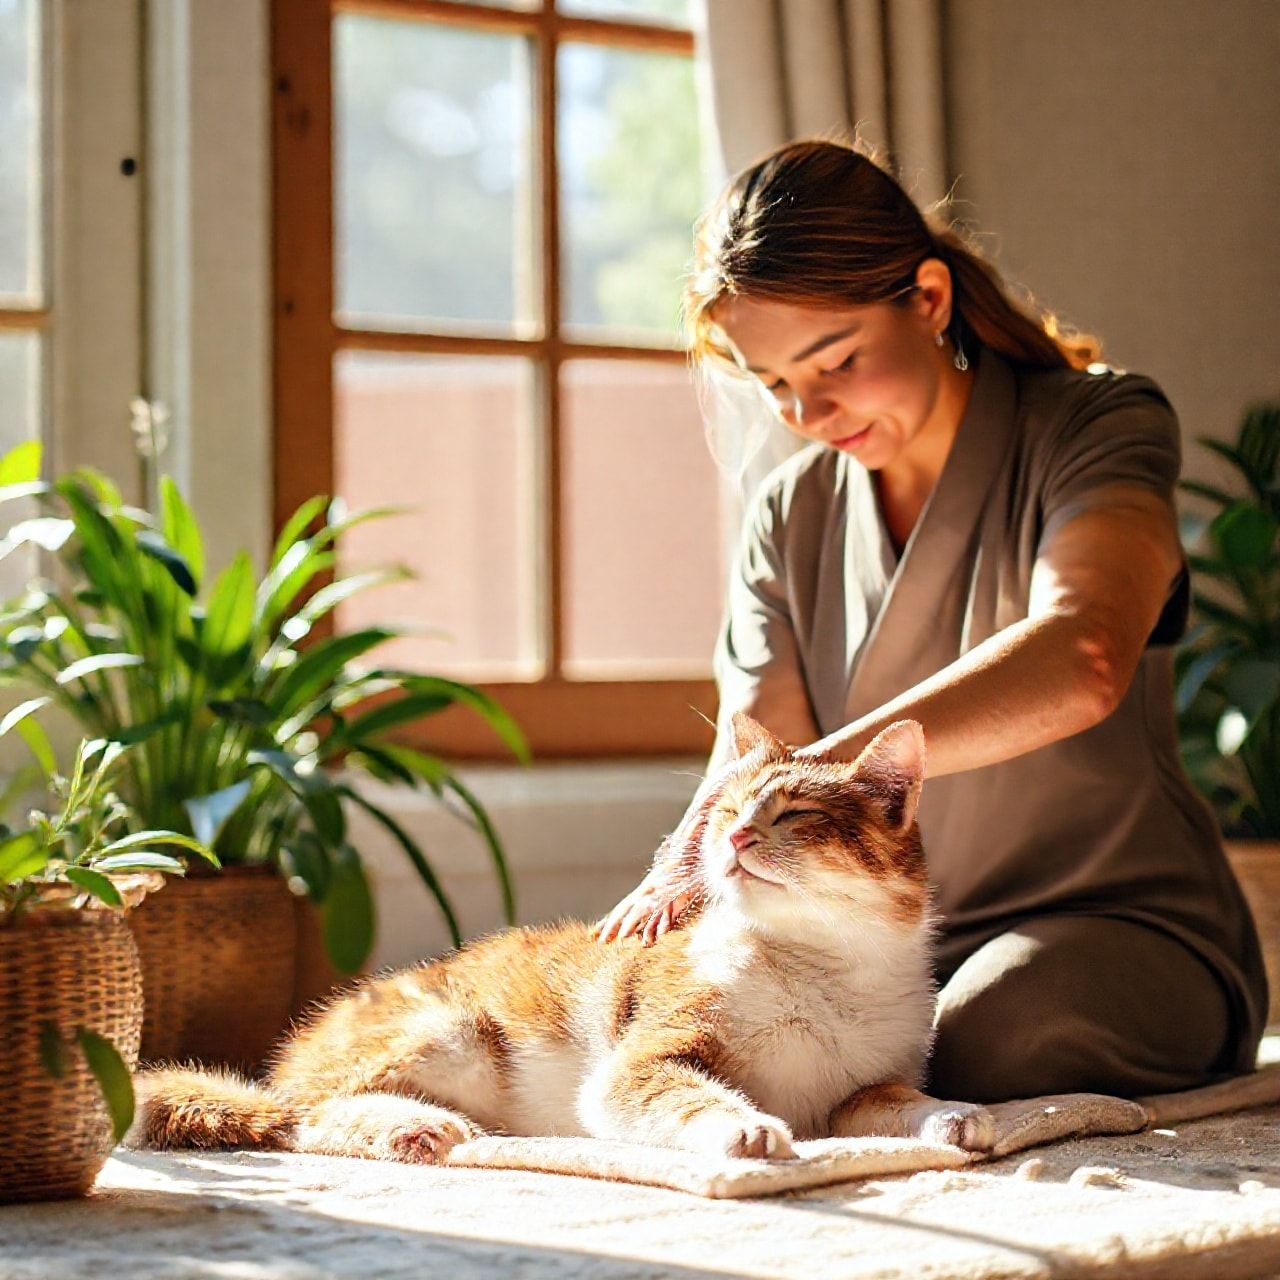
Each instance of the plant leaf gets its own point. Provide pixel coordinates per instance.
(21, 464)
(97, 884)
(209, 813)
(112, 1076)
(97, 662)
(386, 716)
(311, 863)
(424, 869)
(348, 913)
(296, 525)
(141, 860)
(1200, 669)
(21, 855)
(152, 544)
(316, 790)
(33, 735)
(141, 838)
(180, 528)
(228, 621)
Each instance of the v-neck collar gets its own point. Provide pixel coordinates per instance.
(946, 527)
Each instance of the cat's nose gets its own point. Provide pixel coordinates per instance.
(743, 837)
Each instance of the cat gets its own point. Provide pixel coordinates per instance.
(795, 1002)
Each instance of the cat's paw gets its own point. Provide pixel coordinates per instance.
(960, 1124)
(754, 1136)
(428, 1141)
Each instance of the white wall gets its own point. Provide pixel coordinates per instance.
(1124, 156)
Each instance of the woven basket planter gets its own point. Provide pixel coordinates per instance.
(74, 968)
(218, 965)
(1257, 867)
(227, 960)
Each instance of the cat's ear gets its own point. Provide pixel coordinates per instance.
(891, 767)
(748, 734)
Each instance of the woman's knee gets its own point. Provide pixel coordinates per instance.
(1077, 1004)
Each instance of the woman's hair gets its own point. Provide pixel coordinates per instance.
(820, 223)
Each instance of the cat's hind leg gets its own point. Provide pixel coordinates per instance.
(381, 1126)
(899, 1111)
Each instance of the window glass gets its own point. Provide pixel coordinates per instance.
(20, 185)
(630, 189)
(452, 439)
(433, 220)
(674, 12)
(641, 523)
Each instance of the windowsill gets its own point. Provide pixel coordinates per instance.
(577, 836)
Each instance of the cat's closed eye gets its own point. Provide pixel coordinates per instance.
(788, 814)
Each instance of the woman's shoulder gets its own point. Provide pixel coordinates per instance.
(1066, 399)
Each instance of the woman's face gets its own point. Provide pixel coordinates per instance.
(862, 379)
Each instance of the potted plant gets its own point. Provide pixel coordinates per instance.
(70, 981)
(1228, 667)
(245, 717)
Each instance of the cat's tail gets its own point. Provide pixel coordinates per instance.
(210, 1110)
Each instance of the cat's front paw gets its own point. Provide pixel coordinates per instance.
(961, 1124)
(428, 1141)
(753, 1136)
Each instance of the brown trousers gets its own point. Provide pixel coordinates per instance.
(1076, 1003)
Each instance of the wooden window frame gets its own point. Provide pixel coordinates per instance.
(561, 717)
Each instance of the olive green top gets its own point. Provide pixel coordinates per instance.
(824, 619)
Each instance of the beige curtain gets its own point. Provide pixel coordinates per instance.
(776, 70)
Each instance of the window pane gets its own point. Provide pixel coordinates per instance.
(669, 12)
(433, 218)
(452, 439)
(19, 421)
(643, 574)
(631, 181)
(19, 152)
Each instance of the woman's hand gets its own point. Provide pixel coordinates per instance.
(654, 905)
(674, 882)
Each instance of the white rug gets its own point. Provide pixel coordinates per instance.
(1187, 1199)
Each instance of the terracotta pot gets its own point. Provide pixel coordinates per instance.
(227, 960)
(1257, 867)
(74, 968)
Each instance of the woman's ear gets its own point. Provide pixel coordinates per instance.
(891, 767)
(748, 734)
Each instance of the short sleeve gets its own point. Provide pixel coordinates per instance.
(1126, 433)
(757, 658)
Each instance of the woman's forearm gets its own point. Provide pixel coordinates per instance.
(1025, 687)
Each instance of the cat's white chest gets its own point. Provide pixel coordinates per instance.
(807, 1029)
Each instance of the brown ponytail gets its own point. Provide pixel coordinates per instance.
(823, 223)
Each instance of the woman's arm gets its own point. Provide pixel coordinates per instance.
(1097, 591)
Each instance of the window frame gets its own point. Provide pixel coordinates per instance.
(561, 717)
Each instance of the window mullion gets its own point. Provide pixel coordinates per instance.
(551, 593)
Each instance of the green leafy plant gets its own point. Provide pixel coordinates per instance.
(76, 857)
(1228, 666)
(241, 712)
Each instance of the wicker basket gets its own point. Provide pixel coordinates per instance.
(218, 966)
(1257, 867)
(74, 968)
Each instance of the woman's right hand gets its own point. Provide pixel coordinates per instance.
(674, 882)
(652, 907)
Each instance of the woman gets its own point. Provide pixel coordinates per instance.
(981, 536)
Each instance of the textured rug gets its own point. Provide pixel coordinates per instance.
(1178, 1197)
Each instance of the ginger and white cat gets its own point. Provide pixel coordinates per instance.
(795, 1002)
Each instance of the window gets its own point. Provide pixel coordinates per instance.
(482, 215)
(24, 302)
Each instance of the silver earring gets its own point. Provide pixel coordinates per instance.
(961, 361)
(937, 339)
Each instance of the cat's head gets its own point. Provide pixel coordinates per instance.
(814, 835)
